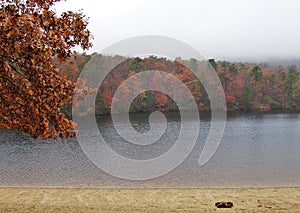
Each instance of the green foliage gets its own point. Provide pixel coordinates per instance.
(267, 99)
(100, 104)
(232, 69)
(86, 60)
(247, 96)
(136, 65)
(257, 74)
(242, 67)
(143, 103)
(213, 63)
(193, 64)
(271, 78)
(291, 79)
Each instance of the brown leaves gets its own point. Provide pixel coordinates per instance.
(32, 87)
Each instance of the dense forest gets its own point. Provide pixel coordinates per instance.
(247, 86)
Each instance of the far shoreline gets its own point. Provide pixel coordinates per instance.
(228, 111)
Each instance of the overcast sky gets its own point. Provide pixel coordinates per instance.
(221, 29)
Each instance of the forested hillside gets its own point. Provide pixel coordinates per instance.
(247, 86)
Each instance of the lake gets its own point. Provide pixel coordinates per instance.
(257, 150)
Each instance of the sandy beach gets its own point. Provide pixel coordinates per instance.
(148, 200)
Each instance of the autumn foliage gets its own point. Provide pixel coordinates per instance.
(247, 86)
(38, 72)
(32, 88)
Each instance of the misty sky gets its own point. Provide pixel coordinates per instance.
(221, 29)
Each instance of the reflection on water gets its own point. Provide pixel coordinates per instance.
(258, 149)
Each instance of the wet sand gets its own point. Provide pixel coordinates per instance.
(148, 200)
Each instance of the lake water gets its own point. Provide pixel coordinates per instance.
(257, 149)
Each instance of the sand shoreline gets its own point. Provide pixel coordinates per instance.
(148, 200)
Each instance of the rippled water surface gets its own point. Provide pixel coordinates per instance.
(258, 149)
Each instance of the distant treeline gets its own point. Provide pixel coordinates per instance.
(247, 86)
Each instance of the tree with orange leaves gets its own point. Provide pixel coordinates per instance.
(31, 87)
